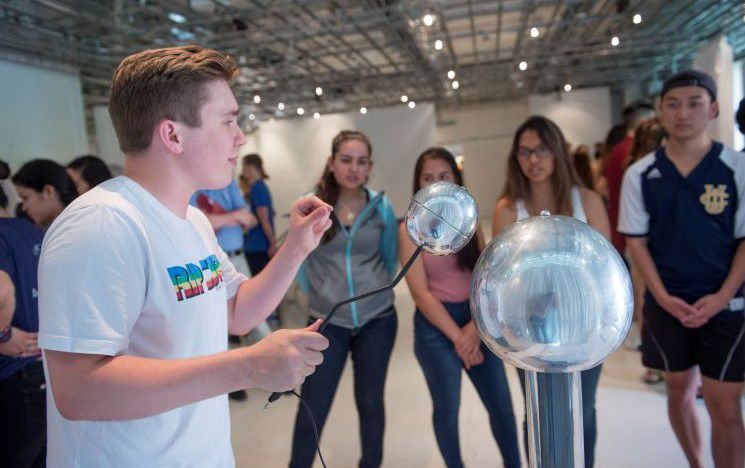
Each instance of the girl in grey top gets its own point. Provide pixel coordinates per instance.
(358, 254)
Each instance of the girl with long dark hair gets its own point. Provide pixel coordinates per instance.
(445, 338)
(541, 176)
(357, 254)
(45, 188)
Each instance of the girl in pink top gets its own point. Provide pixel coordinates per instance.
(445, 337)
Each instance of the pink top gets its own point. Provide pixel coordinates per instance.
(445, 279)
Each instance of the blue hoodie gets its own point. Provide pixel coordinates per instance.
(354, 261)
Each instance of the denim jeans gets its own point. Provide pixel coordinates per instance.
(257, 261)
(371, 347)
(23, 431)
(590, 379)
(443, 368)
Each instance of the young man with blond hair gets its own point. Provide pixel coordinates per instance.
(136, 297)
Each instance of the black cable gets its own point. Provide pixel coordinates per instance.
(393, 284)
(276, 395)
(315, 427)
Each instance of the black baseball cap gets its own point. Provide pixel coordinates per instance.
(690, 78)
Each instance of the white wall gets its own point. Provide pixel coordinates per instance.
(41, 114)
(716, 58)
(485, 136)
(295, 151)
(108, 145)
(584, 115)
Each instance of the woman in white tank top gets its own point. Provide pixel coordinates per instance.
(540, 176)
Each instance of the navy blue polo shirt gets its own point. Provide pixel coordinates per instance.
(20, 246)
(693, 223)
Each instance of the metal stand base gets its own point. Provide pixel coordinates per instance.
(554, 406)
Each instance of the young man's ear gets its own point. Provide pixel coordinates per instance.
(170, 135)
(714, 112)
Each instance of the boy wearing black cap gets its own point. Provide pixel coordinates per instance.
(683, 212)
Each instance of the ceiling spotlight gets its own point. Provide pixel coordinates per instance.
(534, 32)
(451, 74)
(363, 110)
(404, 98)
(281, 106)
(316, 115)
(567, 87)
(638, 18)
(412, 104)
(523, 66)
(257, 98)
(428, 19)
(615, 41)
(300, 111)
(319, 90)
(176, 18)
(438, 44)
(455, 84)
(251, 117)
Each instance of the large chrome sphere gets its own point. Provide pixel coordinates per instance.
(551, 294)
(442, 218)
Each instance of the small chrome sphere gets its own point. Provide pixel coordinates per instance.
(442, 218)
(551, 294)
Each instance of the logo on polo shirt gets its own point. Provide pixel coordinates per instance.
(714, 198)
(654, 174)
(189, 281)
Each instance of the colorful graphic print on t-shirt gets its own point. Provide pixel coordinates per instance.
(189, 281)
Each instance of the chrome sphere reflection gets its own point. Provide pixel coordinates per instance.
(551, 294)
(442, 218)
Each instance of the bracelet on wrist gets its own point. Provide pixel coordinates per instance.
(6, 334)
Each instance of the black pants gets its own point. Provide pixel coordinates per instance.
(370, 347)
(23, 411)
(256, 262)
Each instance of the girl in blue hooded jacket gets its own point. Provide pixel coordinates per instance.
(357, 254)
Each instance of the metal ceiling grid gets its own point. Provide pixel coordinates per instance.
(370, 52)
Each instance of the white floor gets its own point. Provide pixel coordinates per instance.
(633, 430)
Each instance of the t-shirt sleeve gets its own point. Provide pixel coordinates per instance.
(260, 195)
(633, 218)
(740, 181)
(92, 282)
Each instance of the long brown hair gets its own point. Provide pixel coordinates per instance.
(327, 189)
(563, 178)
(469, 254)
(583, 166)
(648, 136)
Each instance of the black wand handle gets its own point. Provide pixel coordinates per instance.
(275, 396)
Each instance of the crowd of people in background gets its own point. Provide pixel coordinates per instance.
(640, 189)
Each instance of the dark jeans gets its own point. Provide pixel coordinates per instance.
(371, 347)
(256, 262)
(590, 380)
(23, 412)
(443, 369)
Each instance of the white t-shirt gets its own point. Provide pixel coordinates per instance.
(120, 274)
